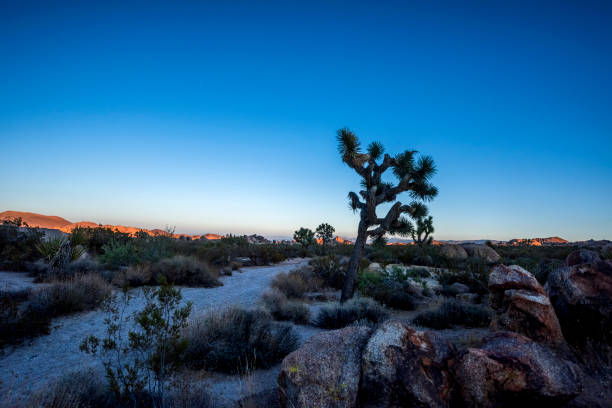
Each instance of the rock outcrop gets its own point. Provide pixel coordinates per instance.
(325, 371)
(582, 297)
(452, 251)
(581, 256)
(510, 369)
(405, 367)
(521, 305)
(483, 252)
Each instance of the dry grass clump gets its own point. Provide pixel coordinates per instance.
(230, 339)
(187, 271)
(134, 276)
(60, 298)
(454, 313)
(360, 310)
(28, 313)
(297, 282)
(281, 308)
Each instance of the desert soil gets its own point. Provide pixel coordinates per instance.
(30, 366)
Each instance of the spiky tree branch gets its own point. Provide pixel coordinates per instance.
(413, 176)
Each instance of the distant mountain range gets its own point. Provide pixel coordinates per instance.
(62, 224)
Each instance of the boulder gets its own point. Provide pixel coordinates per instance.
(468, 297)
(325, 371)
(509, 370)
(405, 367)
(452, 251)
(581, 256)
(581, 295)
(483, 252)
(459, 288)
(521, 305)
(244, 260)
(375, 266)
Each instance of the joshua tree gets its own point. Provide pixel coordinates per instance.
(325, 233)
(413, 177)
(421, 235)
(304, 237)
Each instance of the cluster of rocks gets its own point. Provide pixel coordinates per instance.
(462, 252)
(525, 359)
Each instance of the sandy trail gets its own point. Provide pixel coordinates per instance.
(29, 366)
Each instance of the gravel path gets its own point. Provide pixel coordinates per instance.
(29, 366)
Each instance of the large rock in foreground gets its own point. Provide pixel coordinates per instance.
(403, 367)
(325, 371)
(582, 297)
(509, 370)
(521, 305)
(483, 252)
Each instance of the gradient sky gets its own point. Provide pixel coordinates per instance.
(221, 117)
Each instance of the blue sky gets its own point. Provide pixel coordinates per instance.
(221, 117)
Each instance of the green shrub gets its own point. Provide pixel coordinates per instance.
(281, 308)
(187, 271)
(330, 270)
(454, 313)
(341, 315)
(116, 254)
(392, 290)
(230, 339)
(18, 244)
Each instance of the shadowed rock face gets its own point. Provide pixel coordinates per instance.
(510, 369)
(581, 256)
(521, 305)
(405, 367)
(582, 297)
(325, 372)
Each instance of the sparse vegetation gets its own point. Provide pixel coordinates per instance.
(143, 362)
(454, 313)
(186, 270)
(296, 283)
(281, 308)
(340, 315)
(231, 339)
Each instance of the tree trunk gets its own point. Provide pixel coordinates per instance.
(351, 273)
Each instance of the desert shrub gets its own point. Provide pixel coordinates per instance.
(341, 315)
(65, 297)
(391, 289)
(296, 283)
(18, 244)
(28, 313)
(454, 313)
(186, 270)
(476, 279)
(229, 339)
(281, 308)
(74, 390)
(116, 254)
(330, 270)
(143, 362)
(134, 276)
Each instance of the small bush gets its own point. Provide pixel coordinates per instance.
(341, 315)
(297, 282)
(228, 340)
(61, 298)
(387, 289)
(116, 254)
(77, 389)
(281, 308)
(186, 270)
(134, 276)
(454, 313)
(330, 270)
